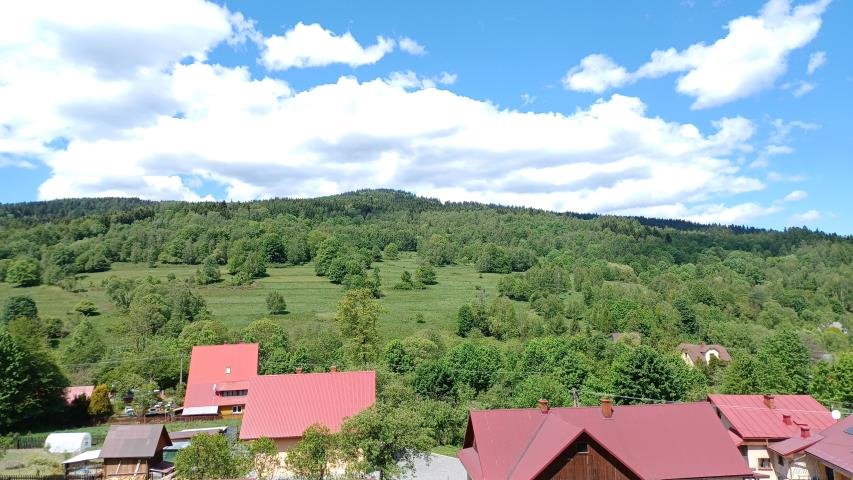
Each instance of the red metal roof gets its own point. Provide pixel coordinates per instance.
(73, 392)
(836, 445)
(212, 366)
(654, 441)
(283, 406)
(753, 420)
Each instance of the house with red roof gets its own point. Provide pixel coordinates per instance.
(693, 353)
(827, 455)
(71, 393)
(218, 380)
(662, 441)
(756, 421)
(282, 407)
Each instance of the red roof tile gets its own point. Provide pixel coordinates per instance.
(836, 445)
(753, 420)
(73, 392)
(654, 441)
(213, 366)
(283, 406)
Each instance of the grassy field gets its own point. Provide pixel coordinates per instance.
(31, 461)
(310, 299)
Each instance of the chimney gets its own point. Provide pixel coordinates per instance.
(543, 405)
(769, 401)
(786, 418)
(805, 431)
(298, 369)
(333, 369)
(606, 407)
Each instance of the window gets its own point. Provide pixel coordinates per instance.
(583, 447)
(780, 460)
(227, 370)
(764, 464)
(237, 409)
(830, 473)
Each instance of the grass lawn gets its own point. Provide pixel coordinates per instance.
(310, 299)
(449, 450)
(31, 461)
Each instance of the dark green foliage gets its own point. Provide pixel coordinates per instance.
(19, 306)
(434, 379)
(527, 393)
(783, 364)
(276, 303)
(396, 357)
(476, 366)
(208, 272)
(314, 455)
(211, 456)
(391, 252)
(84, 345)
(31, 386)
(643, 375)
(494, 259)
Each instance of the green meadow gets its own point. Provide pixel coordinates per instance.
(311, 300)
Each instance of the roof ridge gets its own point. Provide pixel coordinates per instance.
(339, 372)
(526, 447)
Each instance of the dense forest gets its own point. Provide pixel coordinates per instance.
(780, 302)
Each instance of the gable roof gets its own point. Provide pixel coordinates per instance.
(73, 392)
(133, 441)
(207, 375)
(697, 352)
(283, 406)
(653, 441)
(836, 445)
(752, 419)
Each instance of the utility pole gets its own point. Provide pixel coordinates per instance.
(181, 374)
(575, 397)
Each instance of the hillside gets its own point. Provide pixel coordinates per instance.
(527, 295)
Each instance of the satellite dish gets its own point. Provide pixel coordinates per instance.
(836, 415)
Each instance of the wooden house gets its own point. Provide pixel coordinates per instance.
(133, 451)
(637, 442)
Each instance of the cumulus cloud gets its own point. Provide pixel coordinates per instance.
(193, 121)
(806, 217)
(816, 60)
(411, 46)
(596, 73)
(747, 60)
(314, 46)
(795, 196)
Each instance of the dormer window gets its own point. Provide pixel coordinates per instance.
(227, 370)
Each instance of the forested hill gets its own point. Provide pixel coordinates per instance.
(459, 304)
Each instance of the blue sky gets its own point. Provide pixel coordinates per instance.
(713, 111)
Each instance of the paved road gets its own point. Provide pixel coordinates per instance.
(437, 467)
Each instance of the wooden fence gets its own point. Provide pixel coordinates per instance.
(49, 477)
(162, 419)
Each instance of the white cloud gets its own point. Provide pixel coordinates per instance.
(782, 177)
(596, 73)
(806, 217)
(411, 46)
(782, 130)
(158, 125)
(795, 196)
(527, 99)
(706, 213)
(411, 80)
(314, 46)
(747, 60)
(816, 60)
(798, 88)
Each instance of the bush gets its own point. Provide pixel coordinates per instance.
(276, 303)
(19, 306)
(86, 307)
(24, 272)
(425, 274)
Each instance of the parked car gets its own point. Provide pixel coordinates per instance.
(128, 412)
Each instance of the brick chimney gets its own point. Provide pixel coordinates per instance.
(805, 431)
(769, 401)
(606, 407)
(543, 405)
(333, 368)
(786, 418)
(298, 369)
